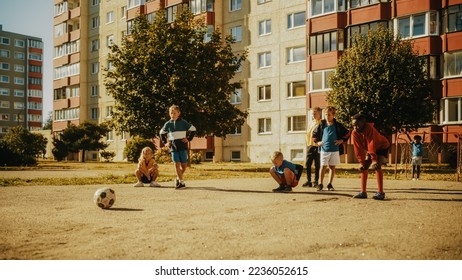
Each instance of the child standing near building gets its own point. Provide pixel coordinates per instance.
(176, 134)
(285, 173)
(371, 148)
(312, 151)
(417, 153)
(147, 169)
(330, 135)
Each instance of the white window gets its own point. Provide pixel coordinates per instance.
(296, 54)
(4, 53)
(296, 89)
(4, 40)
(4, 79)
(19, 93)
(235, 155)
(94, 113)
(110, 17)
(296, 20)
(19, 68)
(95, 68)
(109, 110)
(297, 155)
(235, 5)
(110, 136)
(19, 55)
(264, 93)
(19, 105)
(263, 1)
(237, 131)
(18, 117)
(18, 80)
(4, 91)
(319, 80)
(19, 43)
(451, 110)
(123, 12)
(320, 7)
(4, 104)
(453, 64)
(109, 40)
(264, 27)
(264, 60)
(417, 25)
(94, 90)
(35, 56)
(94, 2)
(60, 29)
(95, 45)
(264, 126)
(296, 123)
(94, 22)
(134, 3)
(4, 66)
(236, 33)
(236, 98)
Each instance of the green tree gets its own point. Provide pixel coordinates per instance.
(382, 77)
(164, 63)
(84, 137)
(133, 148)
(49, 122)
(21, 147)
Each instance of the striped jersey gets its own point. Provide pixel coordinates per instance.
(175, 131)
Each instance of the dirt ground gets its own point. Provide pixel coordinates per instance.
(232, 219)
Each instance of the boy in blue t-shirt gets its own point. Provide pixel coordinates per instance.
(176, 134)
(417, 154)
(283, 172)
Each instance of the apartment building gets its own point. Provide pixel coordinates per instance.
(273, 78)
(434, 25)
(21, 63)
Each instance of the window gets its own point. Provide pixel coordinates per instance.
(235, 155)
(296, 123)
(94, 113)
(4, 91)
(35, 81)
(452, 64)
(19, 105)
(5, 117)
(150, 17)
(264, 59)
(19, 43)
(296, 20)
(319, 80)
(296, 54)
(4, 66)
(109, 111)
(235, 5)
(66, 71)
(110, 17)
(432, 66)
(236, 33)
(452, 18)
(4, 129)
(94, 67)
(4, 40)
(134, 3)
(95, 45)
(34, 93)
(236, 97)
(94, 2)
(4, 104)
(94, 90)
(451, 110)
(418, 25)
(110, 40)
(264, 125)
(237, 131)
(19, 68)
(362, 3)
(19, 93)
(19, 55)
(263, 1)
(362, 29)
(4, 79)
(35, 56)
(18, 117)
(4, 53)
(34, 68)
(264, 27)
(123, 12)
(296, 89)
(326, 42)
(35, 44)
(18, 80)
(60, 29)
(264, 93)
(320, 7)
(110, 136)
(95, 22)
(297, 155)
(200, 6)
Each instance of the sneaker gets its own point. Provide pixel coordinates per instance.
(287, 189)
(307, 184)
(379, 196)
(413, 179)
(280, 188)
(154, 184)
(177, 182)
(330, 187)
(139, 184)
(181, 185)
(319, 187)
(361, 195)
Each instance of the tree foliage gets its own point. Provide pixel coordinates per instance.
(84, 137)
(21, 147)
(382, 77)
(133, 148)
(164, 63)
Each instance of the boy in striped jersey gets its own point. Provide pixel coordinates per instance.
(176, 134)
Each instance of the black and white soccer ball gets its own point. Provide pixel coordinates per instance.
(104, 198)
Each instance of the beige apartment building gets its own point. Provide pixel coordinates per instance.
(21, 66)
(273, 77)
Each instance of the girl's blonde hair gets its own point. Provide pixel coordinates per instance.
(143, 152)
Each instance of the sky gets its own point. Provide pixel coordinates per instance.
(33, 18)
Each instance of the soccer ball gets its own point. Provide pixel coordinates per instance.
(104, 198)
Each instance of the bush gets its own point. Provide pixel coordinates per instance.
(21, 147)
(133, 148)
(108, 156)
(196, 158)
(162, 155)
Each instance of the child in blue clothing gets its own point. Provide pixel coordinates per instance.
(330, 136)
(283, 172)
(417, 153)
(176, 134)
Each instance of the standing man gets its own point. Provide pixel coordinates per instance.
(312, 151)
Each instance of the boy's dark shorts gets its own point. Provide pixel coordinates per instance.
(145, 179)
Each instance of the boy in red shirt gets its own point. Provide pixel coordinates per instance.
(371, 148)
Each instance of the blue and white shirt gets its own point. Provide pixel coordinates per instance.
(175, 131)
